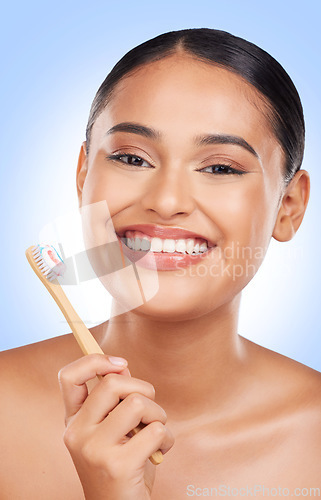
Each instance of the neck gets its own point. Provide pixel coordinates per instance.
(188, 362)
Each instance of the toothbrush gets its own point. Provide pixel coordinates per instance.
(48, 265)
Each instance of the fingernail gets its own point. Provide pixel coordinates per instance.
(117, 361)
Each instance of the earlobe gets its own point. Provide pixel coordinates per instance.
(293, 206)
(82, 168)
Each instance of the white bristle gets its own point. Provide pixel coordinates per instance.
(45, 267)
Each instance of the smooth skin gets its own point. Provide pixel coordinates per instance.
(224, 411)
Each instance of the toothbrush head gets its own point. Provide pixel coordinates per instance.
(47, 260)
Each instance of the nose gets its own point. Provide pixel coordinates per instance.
(169, 193)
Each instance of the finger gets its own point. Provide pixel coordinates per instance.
(107, 394)
(155, 436)
(73, 377)
(135, 408)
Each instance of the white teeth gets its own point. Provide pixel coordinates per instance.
(180, 246)
(168, 246)
(203, 247)
(188, 245)
(145, 244)
(156, 245)
(137, 242)
(130, 243)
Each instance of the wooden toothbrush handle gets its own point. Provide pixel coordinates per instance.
(86, 341)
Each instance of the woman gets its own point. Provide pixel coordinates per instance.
(195, 134)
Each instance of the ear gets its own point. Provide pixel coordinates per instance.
(82, 169)
(293, 206)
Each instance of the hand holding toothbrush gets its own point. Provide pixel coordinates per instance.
(110, 464)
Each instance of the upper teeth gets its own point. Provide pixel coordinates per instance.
(140, 241)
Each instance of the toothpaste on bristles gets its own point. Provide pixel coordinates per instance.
(49, 261)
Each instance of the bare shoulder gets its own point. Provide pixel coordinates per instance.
(29, 380)
(286, 407)
(40, 362)
(291, 387)
(288, 378)
(36, 364)
(30, 373)
(32, 414)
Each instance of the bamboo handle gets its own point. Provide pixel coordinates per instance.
(85, 340)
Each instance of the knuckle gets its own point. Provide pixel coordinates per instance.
(63, 374)
(135, 401)
(92, 361)
(110, 382)
(94, 358)
(158, 429)
(151, 390)
(66, 375)
(71, 438)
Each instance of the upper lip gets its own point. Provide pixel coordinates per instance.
(170, 232)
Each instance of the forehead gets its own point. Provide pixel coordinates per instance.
(182, 97)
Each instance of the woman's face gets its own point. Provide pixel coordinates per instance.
(180, 181)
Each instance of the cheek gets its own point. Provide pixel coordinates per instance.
(109, 187)
(241, 213)
(241, 210)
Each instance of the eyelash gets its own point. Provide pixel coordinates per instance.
(119, 156)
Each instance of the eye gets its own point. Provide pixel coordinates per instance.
(222, 169)
(129, 159)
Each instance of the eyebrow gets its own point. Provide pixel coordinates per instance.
(200, 140)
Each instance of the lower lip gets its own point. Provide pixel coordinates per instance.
(163, 261)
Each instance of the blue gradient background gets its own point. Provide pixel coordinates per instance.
(54, 57)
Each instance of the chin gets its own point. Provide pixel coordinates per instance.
(187, 303)
(163, 312)
(166, 307)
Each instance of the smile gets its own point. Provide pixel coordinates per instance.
(136, 240)
(164, 253)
